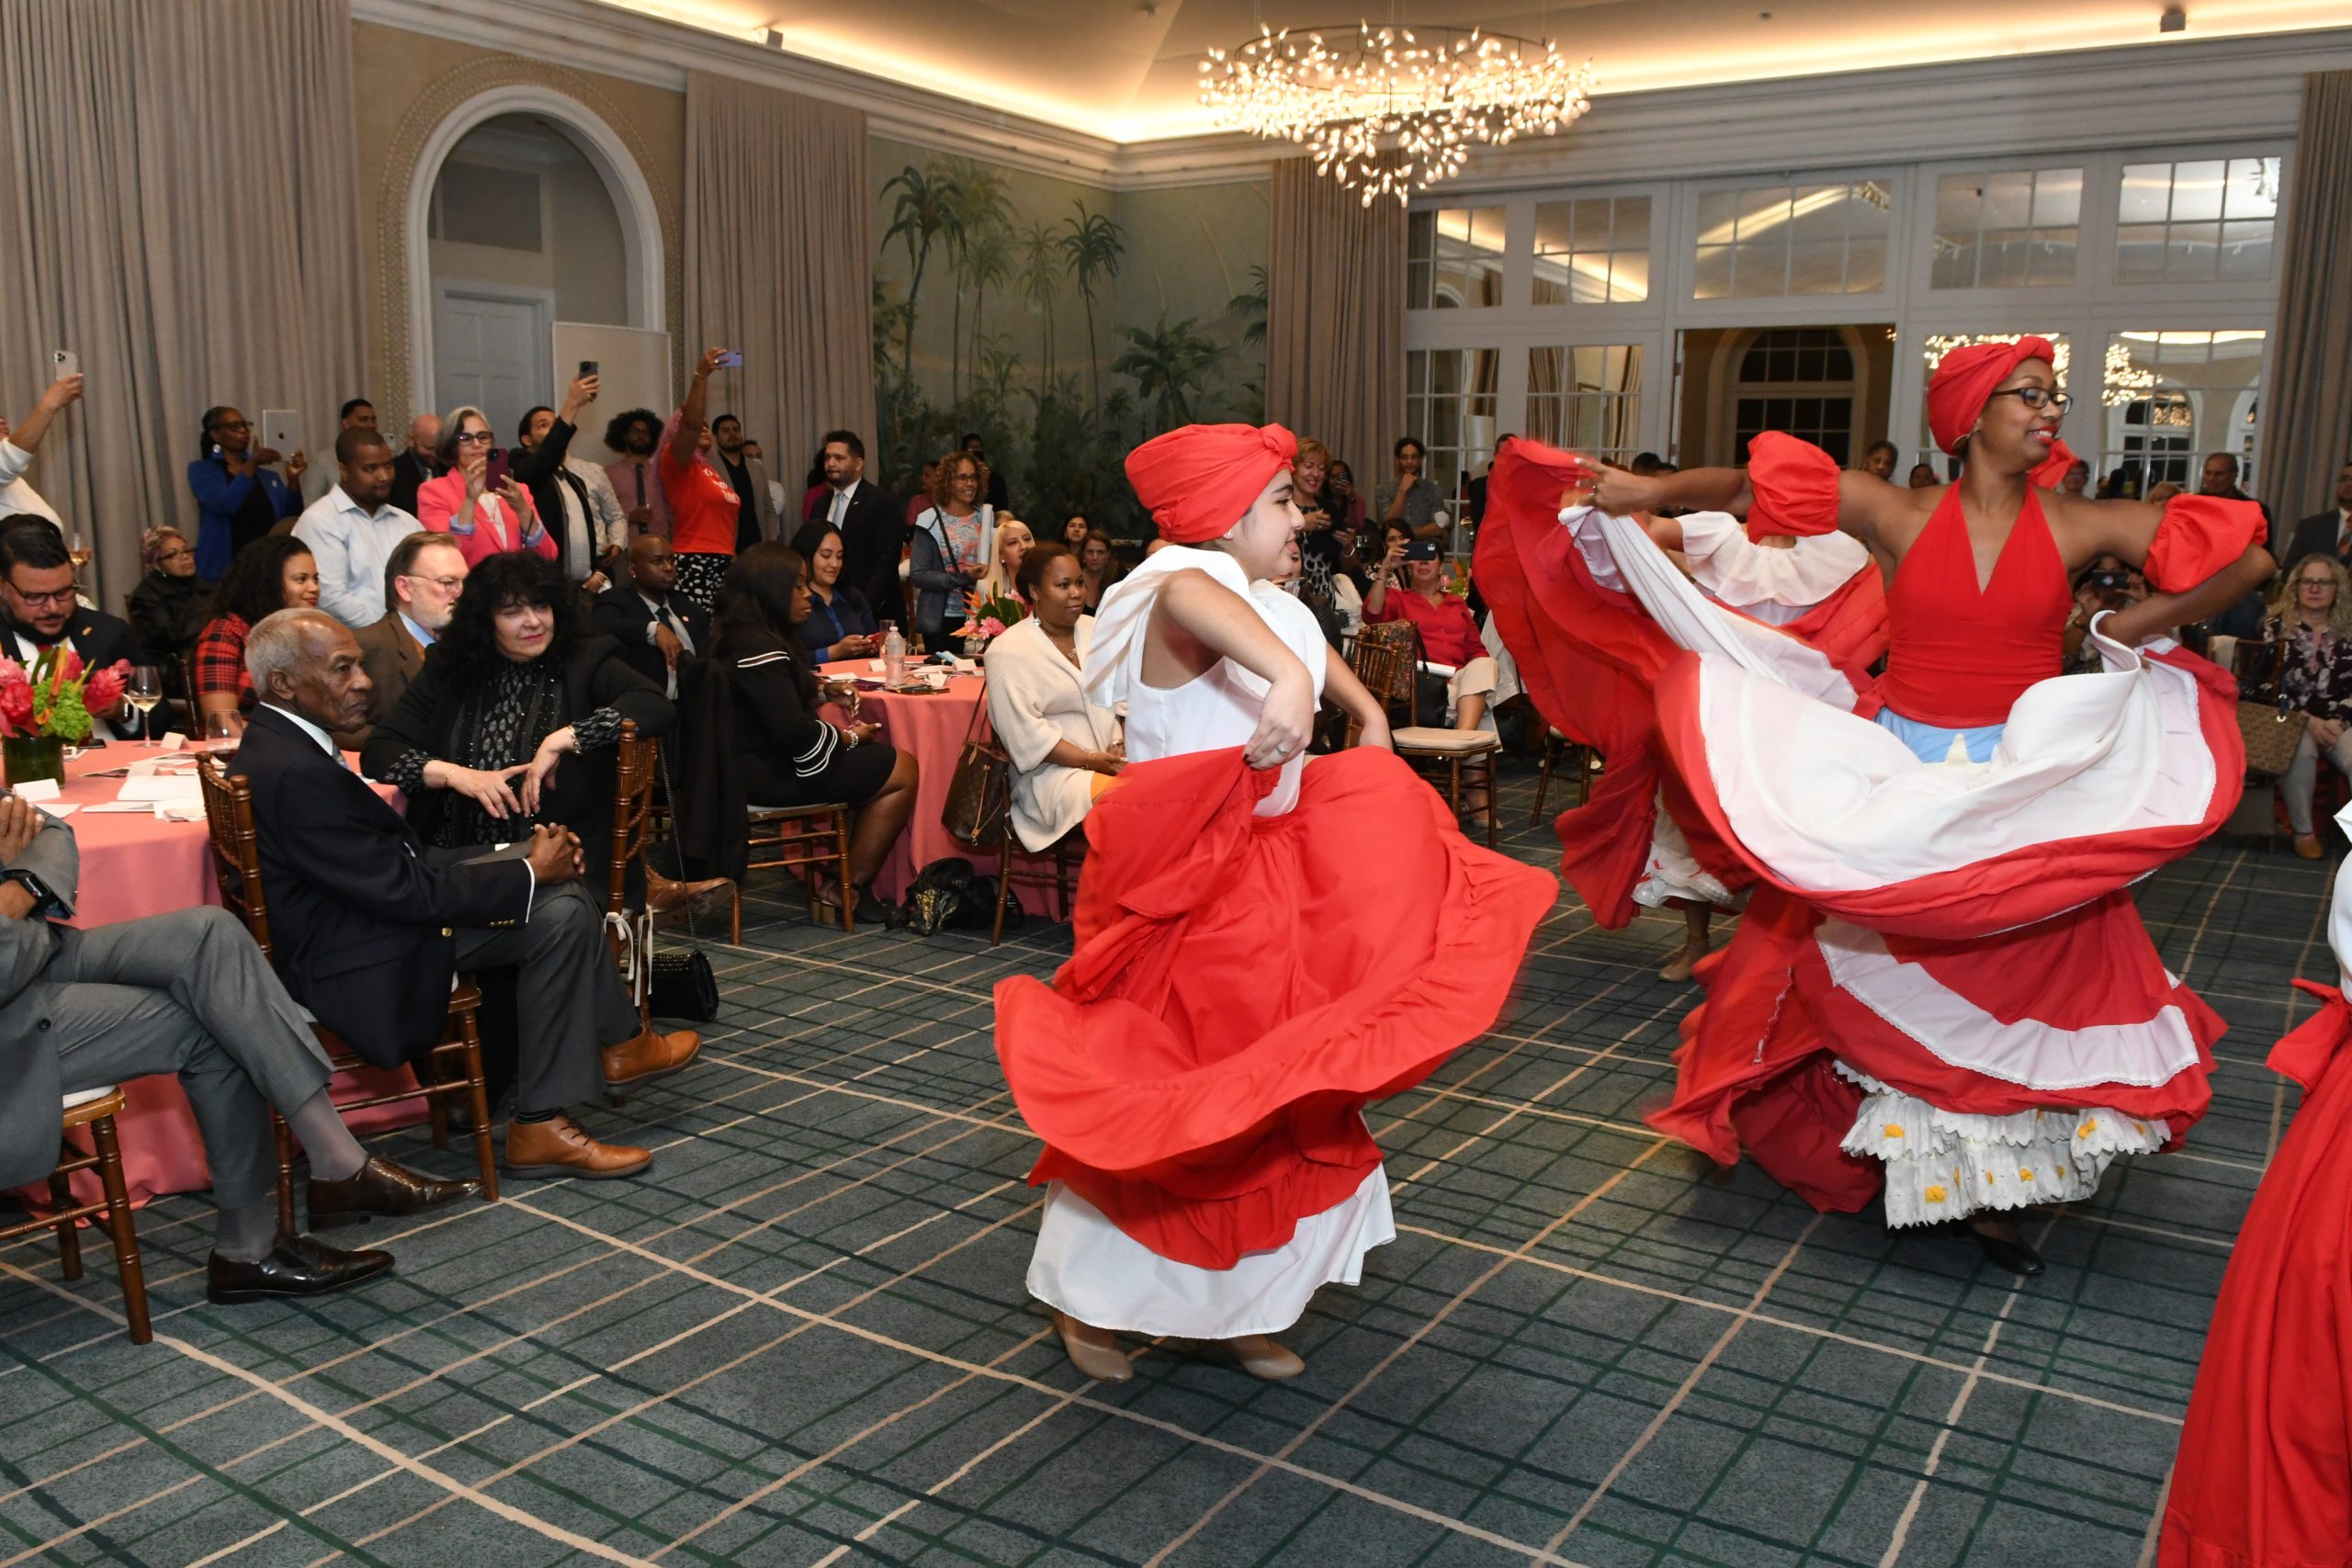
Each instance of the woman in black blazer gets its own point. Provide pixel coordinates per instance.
(513, 720)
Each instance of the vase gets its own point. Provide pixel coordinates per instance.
(975, 646)
(29, 756)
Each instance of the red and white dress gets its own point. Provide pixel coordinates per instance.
(1257, 955)
(1941, 988)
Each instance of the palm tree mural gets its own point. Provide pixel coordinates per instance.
(1091, 246)
(927, 198)
(1169, 364)
(1040, 270)
(988, 264)
(1251, 307)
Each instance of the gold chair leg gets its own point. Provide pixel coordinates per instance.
(121, 1229)
(477, 1090)
(285, 1137)
(840, 842)
(1003, 885)
(69, 1232)
(1493, 788)
(1544, 783)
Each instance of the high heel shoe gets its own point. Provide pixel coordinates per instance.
(1093, 1352)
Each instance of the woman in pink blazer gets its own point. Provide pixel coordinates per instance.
(484, 519)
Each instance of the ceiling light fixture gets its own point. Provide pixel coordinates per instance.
(1394, 109)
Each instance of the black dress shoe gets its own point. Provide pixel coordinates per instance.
(2015, 1257)
(297, 1266)
(383, 1189)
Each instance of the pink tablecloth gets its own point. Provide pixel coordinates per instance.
(135, 865)
(931, 727)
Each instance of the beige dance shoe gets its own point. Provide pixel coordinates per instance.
(1094, 1352)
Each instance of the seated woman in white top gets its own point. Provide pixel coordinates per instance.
(1065, 750)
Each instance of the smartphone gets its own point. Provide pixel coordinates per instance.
(67, 362)
(282, 430)
(731, 360)
(587, 367)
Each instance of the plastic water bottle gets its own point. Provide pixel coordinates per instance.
(894, 654)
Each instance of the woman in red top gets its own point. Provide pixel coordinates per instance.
(1409, 584)
(704, 508)
(1942, 991)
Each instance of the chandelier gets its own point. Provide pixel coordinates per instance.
(1393, 109)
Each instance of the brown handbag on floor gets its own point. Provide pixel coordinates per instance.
(980, 795)
(2271, 735)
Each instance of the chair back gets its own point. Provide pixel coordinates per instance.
(633, 773)
(236, 850)
(2258, 665)
(1385, 664)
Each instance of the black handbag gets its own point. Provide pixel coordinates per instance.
(681, 985)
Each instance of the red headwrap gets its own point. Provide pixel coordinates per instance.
(1198, 482)
(1965, 378)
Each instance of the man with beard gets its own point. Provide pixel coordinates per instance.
(634, 434)
(40, 612)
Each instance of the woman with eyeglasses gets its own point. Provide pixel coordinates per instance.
(239, 496)
(1942, 992)
(485, 518)
(171, 604)
(2311, 624)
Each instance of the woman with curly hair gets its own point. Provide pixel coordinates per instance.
(518, 684)
(2311, 622)
(274, 572)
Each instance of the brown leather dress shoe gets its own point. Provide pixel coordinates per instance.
(651, 1056)
(297, 1266)
(663, 894)
(383, 1189)
(558, 1147)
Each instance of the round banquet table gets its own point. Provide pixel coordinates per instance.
(932, 727)
(135, 865)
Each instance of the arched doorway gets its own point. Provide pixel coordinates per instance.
(524, 208)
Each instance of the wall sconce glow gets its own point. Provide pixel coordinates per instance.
(1422, 97)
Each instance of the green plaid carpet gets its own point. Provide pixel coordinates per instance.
(804, 1340)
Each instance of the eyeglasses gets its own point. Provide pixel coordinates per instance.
(233, 424)
(2315, 582)
(475, 438)
(446, 584)
(63, 596)
(2038, 397)
(179, 553)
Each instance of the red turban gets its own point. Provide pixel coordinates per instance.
(1196, 482)
(1965, 378)
(1794, 486)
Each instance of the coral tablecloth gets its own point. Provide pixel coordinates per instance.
(135, 865)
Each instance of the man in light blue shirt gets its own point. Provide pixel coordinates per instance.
(353, 529)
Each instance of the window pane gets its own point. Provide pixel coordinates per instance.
(2245, 250)
(1758, 271)
(2058, 198)
(1421, 235)
(2254, 188)
(2051, 258)
(1718, 210)
(1633, 221)
(1818, 213)
(1761, 209)
(1589, 283)
(1956, 204)
(2008, 201)
(1713, 277)
(1866, 266)
(2001, 263)
(2147, 190)
(1817, 267)
(1629, 275)
(2140, 253)
(1551, 228)
(2190, 252)
(2197, 191)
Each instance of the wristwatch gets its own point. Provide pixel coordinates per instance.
(42, 897)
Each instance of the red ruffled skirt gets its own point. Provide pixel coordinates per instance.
(2265, 1474)
(1241, 986)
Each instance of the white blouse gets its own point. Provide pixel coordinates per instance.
(1036, 699)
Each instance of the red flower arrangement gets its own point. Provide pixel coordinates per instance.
(58, 694)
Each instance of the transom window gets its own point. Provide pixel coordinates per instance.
(1799, 380)
(1453, 258)
(1595, 251)
(2200, 222)
(1588, 399)
(2171, 397)
(1782, 240)
(1449, 409)
(2012, 229)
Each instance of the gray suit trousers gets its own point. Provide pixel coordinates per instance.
(568, 997)
(185, 993)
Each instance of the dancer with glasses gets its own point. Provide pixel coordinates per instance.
(1941, 990)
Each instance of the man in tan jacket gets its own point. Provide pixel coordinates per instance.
(421, 581)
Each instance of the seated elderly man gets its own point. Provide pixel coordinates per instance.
(185, 993)
(377, 924)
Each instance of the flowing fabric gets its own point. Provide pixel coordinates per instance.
(1239, 987)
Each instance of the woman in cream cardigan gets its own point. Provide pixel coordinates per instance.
(1065, 750)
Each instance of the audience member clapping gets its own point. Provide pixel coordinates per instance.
(1065, 749)
(485, 518)
(171, 604)
(841, 623)
(239, 496)
(2311, 622)
(954, 540)
(787, 753)
(269, 575)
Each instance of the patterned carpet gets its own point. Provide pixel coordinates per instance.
(804, 1340)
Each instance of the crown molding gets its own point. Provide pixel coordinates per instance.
(2182, 89)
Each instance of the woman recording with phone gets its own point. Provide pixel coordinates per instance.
(1409, 584)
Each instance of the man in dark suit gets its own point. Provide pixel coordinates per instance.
(588, 537)
(417, 464)
(378, 924)
(187, 993)
(873, 525)
(658, 630)
(755, 514)
(2329, 531)
(39, 611)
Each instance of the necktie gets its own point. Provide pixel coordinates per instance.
(839, 508)
(640, 484)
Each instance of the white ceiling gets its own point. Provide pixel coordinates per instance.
(1128, 70)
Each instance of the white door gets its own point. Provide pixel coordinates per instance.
(490, 349)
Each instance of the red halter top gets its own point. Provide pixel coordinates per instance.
(1958, 656)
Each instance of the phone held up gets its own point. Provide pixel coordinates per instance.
(67, 363)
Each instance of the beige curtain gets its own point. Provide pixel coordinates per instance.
(1335, 317)
(780, 263)
(178, 206)
(2307, 416)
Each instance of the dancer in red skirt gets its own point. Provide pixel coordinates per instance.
(1942, 991)
(2265, 1474)
(1262, 944)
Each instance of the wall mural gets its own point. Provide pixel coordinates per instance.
(1064, 322)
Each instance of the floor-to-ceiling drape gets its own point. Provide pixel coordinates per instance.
(2307, 412)
(179, 205)
(779, 263)
(1335, 317)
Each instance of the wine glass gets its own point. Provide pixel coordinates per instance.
(144, 691)
(221, 733)
(75, 553)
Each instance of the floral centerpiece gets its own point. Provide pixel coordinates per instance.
(985, 619)
(46, 706)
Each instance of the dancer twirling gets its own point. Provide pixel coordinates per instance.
(1943, 991)
(1261, 945)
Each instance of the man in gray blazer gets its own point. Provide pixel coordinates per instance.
(187, 993)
